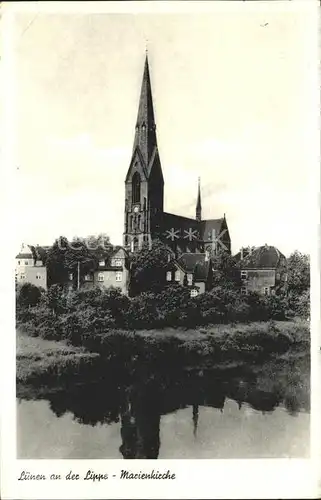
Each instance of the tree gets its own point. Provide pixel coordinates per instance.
(226, 271)
(148, 268)
(55, 299)
(298, 272)
(79, 259)
(28, 295)
(57, 273)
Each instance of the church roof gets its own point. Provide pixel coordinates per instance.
(145, 136)
(179, 223)
(264, 257)
(208, 226)
(196, 264)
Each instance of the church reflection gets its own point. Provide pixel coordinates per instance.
(139, 406)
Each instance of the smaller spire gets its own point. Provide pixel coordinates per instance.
(199, 204)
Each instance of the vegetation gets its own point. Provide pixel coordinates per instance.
(64, 257)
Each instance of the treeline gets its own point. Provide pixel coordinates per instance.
(76, 315)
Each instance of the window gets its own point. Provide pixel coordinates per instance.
(38, 276)
(266, 290)
(285, 277)
(116, 262)
(243, 290)
(87, 277)
(190, 279)
(119, 276)
(168, 276)
(135, 245)
(102, 263)
(278, 276)
(26, 262)
(169, 257)
(100, 277)
(18, 262)
(71, 276)
(243, 275)
(22, 276)
(136, 188)
(194, 292)
(177, 276)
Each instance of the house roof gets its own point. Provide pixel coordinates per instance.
(264, 257)
(196, 264)
(24, 256)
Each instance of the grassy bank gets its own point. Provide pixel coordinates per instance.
(42, 361)
(142, 352)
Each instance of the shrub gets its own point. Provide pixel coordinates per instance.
(28, 295)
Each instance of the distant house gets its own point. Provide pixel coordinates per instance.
(30, 265)
(193, 270)
(262, 269)
(112, 270)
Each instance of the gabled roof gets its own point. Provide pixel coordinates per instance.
(263, 257)
(208, 226)
(24, 256)
(195, 263)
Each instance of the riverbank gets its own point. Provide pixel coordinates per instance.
(42, 361)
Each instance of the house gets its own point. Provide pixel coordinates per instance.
(262, 269)
(193, 270)
(30, 265)
(112, 270)
(145, 218)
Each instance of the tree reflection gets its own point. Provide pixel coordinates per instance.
(139, 405)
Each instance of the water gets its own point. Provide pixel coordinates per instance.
(262, 412)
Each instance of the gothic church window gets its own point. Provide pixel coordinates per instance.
(136, 188)
(134, 245)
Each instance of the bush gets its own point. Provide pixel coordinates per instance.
(28, 295)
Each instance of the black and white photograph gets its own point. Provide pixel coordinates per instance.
(164, 199)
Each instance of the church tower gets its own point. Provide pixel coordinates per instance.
(144, 183)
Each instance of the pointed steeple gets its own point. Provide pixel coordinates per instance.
(145, 136)
(199, 204)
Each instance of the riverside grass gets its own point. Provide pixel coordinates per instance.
(42, 361)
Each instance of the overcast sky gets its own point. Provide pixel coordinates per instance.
(232, 99)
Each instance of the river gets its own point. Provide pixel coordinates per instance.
(262, 412)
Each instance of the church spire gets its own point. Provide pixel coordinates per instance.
(145, 136)
(199, 204)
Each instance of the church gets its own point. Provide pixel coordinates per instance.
(145, 218)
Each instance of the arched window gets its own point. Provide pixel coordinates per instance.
(136, 188)
(134, 245)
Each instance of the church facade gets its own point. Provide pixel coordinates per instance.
(145, 219)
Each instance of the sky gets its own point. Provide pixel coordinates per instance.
(233, 104)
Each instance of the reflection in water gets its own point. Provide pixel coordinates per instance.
(137, 408)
